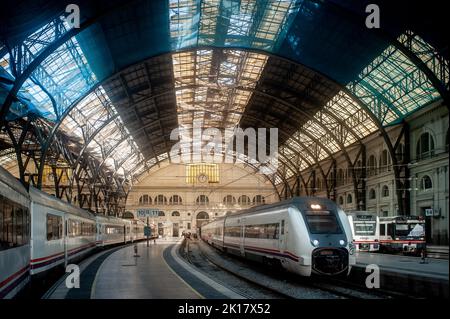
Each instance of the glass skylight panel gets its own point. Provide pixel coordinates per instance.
(184, 18)
(394, 81)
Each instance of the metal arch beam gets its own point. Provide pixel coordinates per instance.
(48, 51)
(123, 139)
(67, 112)
(388, 142)
(402, 48)
(312, 102)
(425, 69)
(343, 148)
(311, 118)
(406, 51)
(106, 123)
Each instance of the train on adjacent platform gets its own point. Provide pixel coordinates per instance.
(365, 230)
(39, 232)
(305, 235)
(405, 234)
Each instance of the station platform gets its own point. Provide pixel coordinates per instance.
(405, 274)
(158, 273)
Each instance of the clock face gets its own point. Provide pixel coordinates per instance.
(202, 178)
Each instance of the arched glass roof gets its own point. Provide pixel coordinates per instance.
(137, 71)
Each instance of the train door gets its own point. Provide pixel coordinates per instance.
(242, 237)
(65, 232)
(282, 241)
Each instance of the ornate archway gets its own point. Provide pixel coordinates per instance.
(202, 218)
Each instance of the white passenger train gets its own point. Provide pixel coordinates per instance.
(39, 232)
(305, 235)
(365, 230)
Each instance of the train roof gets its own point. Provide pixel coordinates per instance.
(9, 180)
(295, 201)
(45, 199)
(402, 218)
(360, 212)
(112, 219)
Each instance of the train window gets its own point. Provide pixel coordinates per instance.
(14, 224)
(233, 231)
(263, 231)
(322, 222)
(74, 228)
(382, 230)
(87, 229)
(54, 227)
(282, 227)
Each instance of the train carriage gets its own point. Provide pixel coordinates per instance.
(112, 230)
(405, 234)
(60, 232)
(365, 230)
(305, 235)
(14, 235)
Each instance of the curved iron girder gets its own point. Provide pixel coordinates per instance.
(293, 165)
(388, 142)
(402, 48)
(241, 88)
(68, 35)
(49, 50)
(67, 112)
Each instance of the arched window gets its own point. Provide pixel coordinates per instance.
(384, 161)
(176, 214)
(160, 200)
(425, 146)
(202, 200)
(372, 194)
(175, 200)
(372, 165)
(341, 200)
(229, 200)
(161, 213)
(349, 199)
(202, 218)
(426, 183)
(385, 191)
(244, 200)
(145, 200)
(259, 199)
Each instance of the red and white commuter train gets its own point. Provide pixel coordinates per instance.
(39, 232)
(305, 235)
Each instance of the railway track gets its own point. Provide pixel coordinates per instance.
(283, 283)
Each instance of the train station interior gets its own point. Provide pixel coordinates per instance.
(177, 113)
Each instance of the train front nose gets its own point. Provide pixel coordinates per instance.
(329, 261)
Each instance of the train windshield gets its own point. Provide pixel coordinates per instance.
(364, 228)
(322, 222)
(410, 230)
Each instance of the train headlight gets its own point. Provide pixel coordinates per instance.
(342, 242)
(315, 242)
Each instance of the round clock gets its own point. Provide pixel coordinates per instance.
(202, 178)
